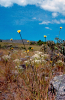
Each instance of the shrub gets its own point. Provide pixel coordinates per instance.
(39, 42)
(0, 45)
(0, 40)
(4, 47)
(23, 48)
(32, 43)
(29, 48)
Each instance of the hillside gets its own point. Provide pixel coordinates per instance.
(17, 41)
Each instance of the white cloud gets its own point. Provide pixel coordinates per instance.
(55, 21)
(45, 22)
(50, 5)
(61, 21)
(34, 18)
(54, 15)
(7, 3)
(48, 28)
(54, 5)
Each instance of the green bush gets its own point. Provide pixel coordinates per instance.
(0, 40)
(40, 42)
(0, 45)
(4, 47)
(29, 48)
(23, 48)
(32, 43)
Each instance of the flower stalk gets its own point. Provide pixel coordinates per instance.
(21, 37)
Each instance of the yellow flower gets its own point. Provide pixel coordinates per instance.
(60, 27)
(27, 40)
(58, 54)
(11, 39)
(12, 48)
(27, 51)
(45, 36)
(19, 31)
(50, 61)
(32, 48)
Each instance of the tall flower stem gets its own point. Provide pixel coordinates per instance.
(59, 34)
(45, 43)
(45, 40)
(22, 40)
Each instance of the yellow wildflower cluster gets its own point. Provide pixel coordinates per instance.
(60, 27)
(19, 31)
(31, 48)
(27, 51)
(45, 36)
(27, 40)
(11, 39)
(58, 54)
(12, 48)
(50, 61)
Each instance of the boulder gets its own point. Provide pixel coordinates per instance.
(58, 83)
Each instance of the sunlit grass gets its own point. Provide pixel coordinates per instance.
(20, 45)
(30, 82)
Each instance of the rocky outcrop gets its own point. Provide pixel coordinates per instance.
(57, 87)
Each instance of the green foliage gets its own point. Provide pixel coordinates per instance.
(63, 43)
(32, 43)
(29, 48)
(0, 45)
(56, 48)
(40, 42)
(63, 50)
(4, 46)
(23, 48)
(0, 40)
(51, 44)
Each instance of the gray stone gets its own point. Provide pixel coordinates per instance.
(59, 84)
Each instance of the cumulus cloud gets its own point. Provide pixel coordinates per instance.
(62, 21)
(50, 5)
(7, 3)
(53, 22)
(54, 15)
(45, 22)
(48, 28)
(34, 18)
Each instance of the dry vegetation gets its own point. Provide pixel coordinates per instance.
(27, 77)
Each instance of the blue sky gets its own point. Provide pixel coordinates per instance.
(34, 18)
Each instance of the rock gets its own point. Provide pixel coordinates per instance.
(58, 83)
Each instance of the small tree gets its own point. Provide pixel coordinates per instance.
(39, 42)
(32, 43)
(0, 40)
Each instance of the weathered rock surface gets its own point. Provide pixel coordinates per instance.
(58, 82)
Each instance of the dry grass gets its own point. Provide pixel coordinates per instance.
(24, 84)
(35, 47)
